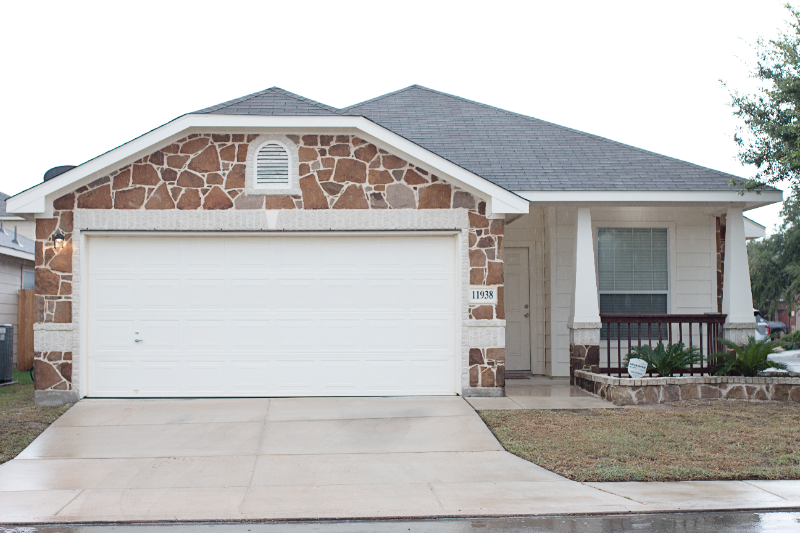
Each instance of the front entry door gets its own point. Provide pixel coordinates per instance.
(518, 312)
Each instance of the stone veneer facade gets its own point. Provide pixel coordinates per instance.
(198, 183)
(628, 391)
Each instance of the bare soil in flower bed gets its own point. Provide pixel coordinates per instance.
(695, 440)
(20, 420)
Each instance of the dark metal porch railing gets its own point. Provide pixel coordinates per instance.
(621, 333)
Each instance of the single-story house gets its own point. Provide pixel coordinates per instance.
(413, 244)
(16, 272)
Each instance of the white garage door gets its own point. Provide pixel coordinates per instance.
(271, 316)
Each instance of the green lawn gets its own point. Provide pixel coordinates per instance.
(687, 441)
(20, 420)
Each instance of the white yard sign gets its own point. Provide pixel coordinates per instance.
(637, 368)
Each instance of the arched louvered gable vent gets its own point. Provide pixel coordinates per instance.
(272, 167)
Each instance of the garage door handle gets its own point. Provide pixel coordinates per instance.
(527, 315)
(138, 340)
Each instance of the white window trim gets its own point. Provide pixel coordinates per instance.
(251, 189)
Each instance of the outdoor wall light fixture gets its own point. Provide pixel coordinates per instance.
(58, 241)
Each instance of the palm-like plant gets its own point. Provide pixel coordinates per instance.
(748, 359)
(667, 359)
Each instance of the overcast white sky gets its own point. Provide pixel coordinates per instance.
(83, 77)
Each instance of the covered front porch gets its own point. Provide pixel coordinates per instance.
(586, 282)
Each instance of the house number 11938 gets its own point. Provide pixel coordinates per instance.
(482, 295)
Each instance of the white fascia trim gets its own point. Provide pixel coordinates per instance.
(38, 200)
(750, 199)
(17, 253)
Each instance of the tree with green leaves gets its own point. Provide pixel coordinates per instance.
(770, 136)
(775, 262)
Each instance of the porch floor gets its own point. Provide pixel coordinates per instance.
(541, 392)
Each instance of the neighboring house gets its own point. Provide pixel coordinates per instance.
(753, 230)
(417, 243)
(26, 228)
(16, 272)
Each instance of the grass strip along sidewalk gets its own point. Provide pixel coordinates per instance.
(20, 420)
(692, 441)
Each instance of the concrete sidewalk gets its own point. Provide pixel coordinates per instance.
(256, 459)
(540, 392)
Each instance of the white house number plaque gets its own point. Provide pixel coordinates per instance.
(482, 295)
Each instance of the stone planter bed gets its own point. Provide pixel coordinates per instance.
(628, 391)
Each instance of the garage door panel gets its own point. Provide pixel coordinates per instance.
(388, 256)
(113, 336)
(298, 294)
(294, 335)
(204, 294)
(114, 294)
(432, 294)
(205, 377)
(112, 377)
(293, 377)
(249, 293)
(204, 335)
(115, 256)
(341, 294)
(204, 254)
(385, 376)
(249, 252)
(341, 336)
(338, 376)
(294, 255)
(386, 295)
(272, 316)
(249, 335)
(385, 335)
(247, 377)
(159, 335)
(159, 377)
(340, 255)
(432, 335)
(430, 375)
(159, 294)
(157, 253)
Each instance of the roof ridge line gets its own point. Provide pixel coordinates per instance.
(274, 88)
(238, 100)
(380, 97)
(301, 98)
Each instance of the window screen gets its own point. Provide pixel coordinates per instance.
(632, 274)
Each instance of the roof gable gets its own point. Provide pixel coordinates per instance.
(270, 102)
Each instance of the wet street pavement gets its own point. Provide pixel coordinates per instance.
(739, 522)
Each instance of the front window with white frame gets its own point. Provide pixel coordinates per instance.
(632, 268)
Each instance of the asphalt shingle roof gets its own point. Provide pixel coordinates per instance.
(271, 102)
(513, 151)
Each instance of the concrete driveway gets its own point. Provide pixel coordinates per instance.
(270, 458)
(144, 460)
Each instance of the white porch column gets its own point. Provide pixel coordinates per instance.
(737, 298)
(584, 345)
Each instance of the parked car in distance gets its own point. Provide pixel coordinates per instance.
(763, 330)
(774, 325)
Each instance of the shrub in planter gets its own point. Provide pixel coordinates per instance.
(790, 341)
(668, 359)
(747, 359)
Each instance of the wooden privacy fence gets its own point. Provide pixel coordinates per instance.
(24, 333)
(621, 333)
